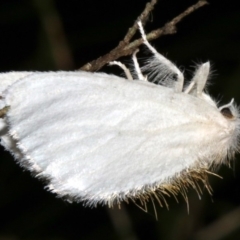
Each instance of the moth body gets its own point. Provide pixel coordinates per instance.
(103, 139)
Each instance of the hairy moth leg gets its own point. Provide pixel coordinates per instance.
(124, 68)
(137, 68)
(167, 63)
(199, 80)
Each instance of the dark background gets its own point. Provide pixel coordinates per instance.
(89, 29)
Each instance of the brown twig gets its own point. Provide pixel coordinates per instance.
(125, 47)
(143, 18)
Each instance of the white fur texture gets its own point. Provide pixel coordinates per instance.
(100, 138)
(103, 139)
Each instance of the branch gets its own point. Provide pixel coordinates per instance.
(142, 18)
(125, 47)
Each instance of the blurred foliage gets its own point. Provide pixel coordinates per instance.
(30, 40)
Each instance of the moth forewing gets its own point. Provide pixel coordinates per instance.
(102, 139)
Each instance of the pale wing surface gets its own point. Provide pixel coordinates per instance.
(96, 136)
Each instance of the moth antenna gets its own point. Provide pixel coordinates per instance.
(123, 67)
(199, 80)
(136, 66)
(167, 63)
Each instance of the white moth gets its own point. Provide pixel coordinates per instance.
(104, 139)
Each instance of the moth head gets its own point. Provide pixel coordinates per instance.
(231, 113)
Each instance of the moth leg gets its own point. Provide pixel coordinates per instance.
(199, 80)
(137, 68)
(164, 61)
(124, 68)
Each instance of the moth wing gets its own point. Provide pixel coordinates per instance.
(6, 80)
(98, 137)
